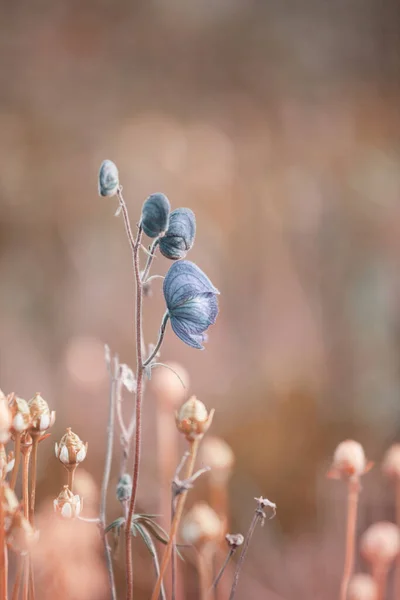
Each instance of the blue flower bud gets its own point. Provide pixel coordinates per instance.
(155, 215)
(179, 238)
(108, 178)
(191, 301)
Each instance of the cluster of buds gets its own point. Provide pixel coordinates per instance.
(41, 416)
(193, 419)
(67, 504)
(71, 450)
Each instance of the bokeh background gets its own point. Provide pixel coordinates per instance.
(278, 123)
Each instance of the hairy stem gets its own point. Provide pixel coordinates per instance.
(105, 483)
(194, 445)
(17, 449)
(159, 341)
(352, 504)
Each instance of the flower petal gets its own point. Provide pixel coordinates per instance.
(183, 282)
(180, 235)
(155, 215)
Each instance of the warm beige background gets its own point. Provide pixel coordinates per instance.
(278, 124)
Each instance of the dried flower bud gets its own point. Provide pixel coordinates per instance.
(201, 524)
(362, 587)
(192, 419)
(380, 542)
(348, 461)
(5, 421)
(21, 415)
(218, 455)
(20, 533)
(391, 462)
(155, 215)
(108, 178)
(6, 461)
(124, 488)
(67, 504)
(180, 235)
(167, 384)
(234, 540)
(41, 417)
(71, 450)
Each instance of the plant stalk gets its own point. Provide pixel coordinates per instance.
(35, 444)
(222, 570)
(3, 548)
(352, 506)
(194, 445)
(17, 449)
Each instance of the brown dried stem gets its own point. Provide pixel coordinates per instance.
(17, 450)
(35, 443)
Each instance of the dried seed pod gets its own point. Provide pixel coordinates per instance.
(67, 504)
(71, 450)
(201, 525)
(41, 416)
(234, 540)
(155, 215)
(108, 178)
(21, 415)
(362, 587)
(180, 235)
(193, 419)
(380, 543)
(349, 461)
(5, 421)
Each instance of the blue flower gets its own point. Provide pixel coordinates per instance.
(155, 215)
(179, 238)
(191, 301)
(108, 178)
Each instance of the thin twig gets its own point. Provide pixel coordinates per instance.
(106, 478)
(194, 445)
(35, 443)
(150, 259)
(352, 504)
(259, 515)
(231, 552)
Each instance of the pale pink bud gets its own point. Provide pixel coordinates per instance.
(362, 587)
(218, 455)
(5, 421)
(192, 419)
(348, 460)
(380, 542)
(201, 524)
(391, 462)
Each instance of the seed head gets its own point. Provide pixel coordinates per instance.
(192, 419)
(41, 417)
(20, 413)
(67, 504)
(380, 543)
(218, 455)
(362, 587)
(201, 524)
(391, 462)
(348, 461)
(5, 420)
(71, 450)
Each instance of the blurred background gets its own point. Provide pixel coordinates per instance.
(278, 123)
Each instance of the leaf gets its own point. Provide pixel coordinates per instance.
(147, 540)
(117, 524)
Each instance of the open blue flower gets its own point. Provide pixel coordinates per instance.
(192, 302)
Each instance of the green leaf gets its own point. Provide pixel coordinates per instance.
(117, 524)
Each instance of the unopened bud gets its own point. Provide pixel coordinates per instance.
(71, 450)
(391, 462)
(201, 524)
(21, 416)
(41, 417)
(124, 488)
(380, 543)
(108, 178)
(362, 587)
(67, 504)
(5, 420)
(192, 419)
(348, 461)
(6, 461)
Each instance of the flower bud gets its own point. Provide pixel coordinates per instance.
(201, 524)
(192, 419)
(5, 420)
(391, 462)
(108, 178)
(218, 455)
(362, 587)
(41, 417)
(71, 450)
(348, 460)
(380, 543)
(180, 235)
(155, 215)
(124, 488)
(67, 504)
(21, 416)
(169, 385)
